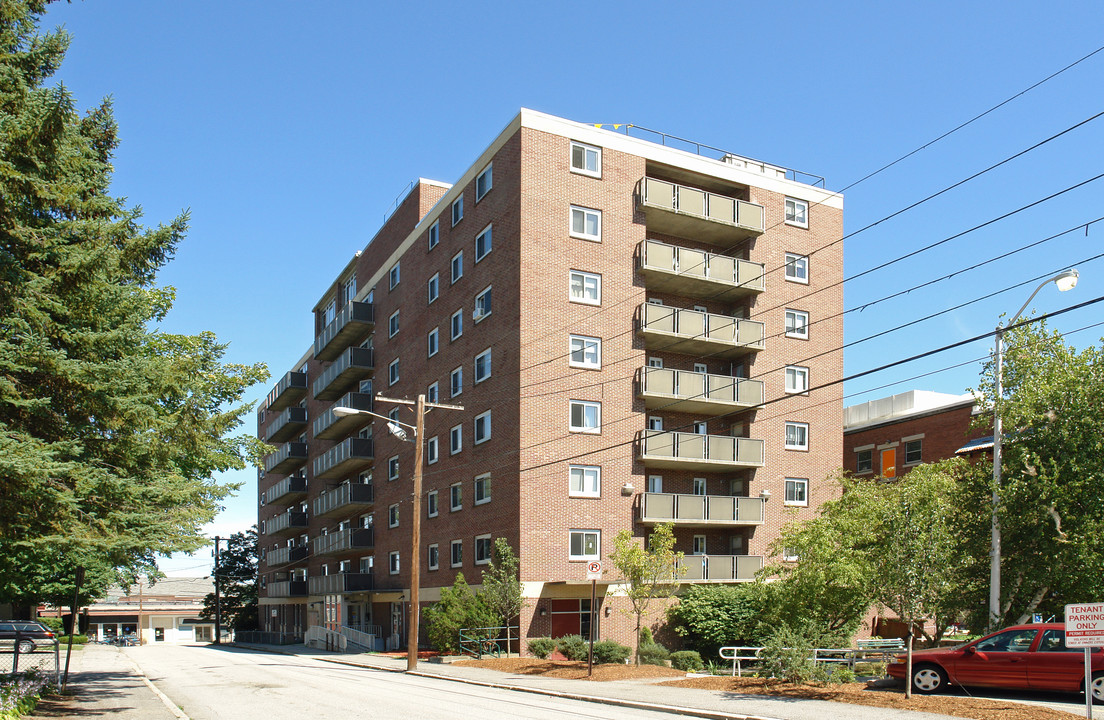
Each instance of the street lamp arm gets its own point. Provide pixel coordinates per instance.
(349, 412)
(1065, 280)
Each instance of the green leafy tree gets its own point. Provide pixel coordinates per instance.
(501, 591)
(459, 608)
(648, 573)
(710, 617)
(236, 575)
(110, 429)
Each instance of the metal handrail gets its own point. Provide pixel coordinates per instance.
(478, 642)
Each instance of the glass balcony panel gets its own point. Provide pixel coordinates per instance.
(690, 451)
(691, 384)
(721, 448)
(691, 507)
(723, 268)
(659, 317)
(721, 328)
(684, 211)
(691, 200)
(721, 208)
(690, 322)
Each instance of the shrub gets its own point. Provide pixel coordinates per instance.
(840, 674)
(56, 625)
(457, 609)
(687, 660)
(709, 617)
(77, 639)
(573, 647)
(652, 654)
(788, 654)
(542, 647)
(610, 652)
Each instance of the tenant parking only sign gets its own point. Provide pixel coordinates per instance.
(1085, 625)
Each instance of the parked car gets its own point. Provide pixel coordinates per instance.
(1033, 657)
(30, 634)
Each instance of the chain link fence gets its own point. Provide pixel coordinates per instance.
(44, 657)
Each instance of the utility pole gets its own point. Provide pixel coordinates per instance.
(218, 600)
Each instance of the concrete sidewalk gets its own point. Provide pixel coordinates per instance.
(638, 694)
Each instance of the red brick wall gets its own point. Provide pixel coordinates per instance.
(944, 433)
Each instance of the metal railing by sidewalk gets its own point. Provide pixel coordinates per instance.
(867, 651)
(493, 641)
(263, 637)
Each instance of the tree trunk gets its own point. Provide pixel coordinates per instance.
(638, 639)
(908, 666)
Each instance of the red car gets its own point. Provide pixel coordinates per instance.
(1032, 657)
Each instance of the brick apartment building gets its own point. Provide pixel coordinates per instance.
(631, 330)
(889, 436)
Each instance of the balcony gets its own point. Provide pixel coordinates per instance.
(694, 392)
(347, 540)
(354, 323)
(290, 390)
(287, 588)
(287, 490)
(340, 583)
(286, 555)
(287, 425)
(345, 458)
(674, 209)
(288, 522)
(690, 451)
(721, 568)
(352, 366)
(685, 271)
(700, 510)
(347, 496)
(288, 457)
(329, 426)
(692, 332)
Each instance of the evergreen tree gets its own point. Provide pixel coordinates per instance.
(501, 591)
(110, 429)
(236, 575)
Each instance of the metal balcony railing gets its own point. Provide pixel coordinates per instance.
(288, 457)
(720, 568)
(700, 510)
(695, 392)
(339, 583)
(290, 390)
(343, 497)
(287, 424)
(288, 489)
(353, 365)
(354, 323)
(688, 271)
(329, 426)
(347, 457)
(684, 211)
(343, 541)
(691, 451)
(698, 333)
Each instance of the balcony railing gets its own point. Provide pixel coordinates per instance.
(686, 271)
(339, 583)
(721, 568)
(691, 451)
(354, 323)
(352, 366)
(343, 541)
(329, 426)
(698, 333)
(290, 390)
(287, 555)
(289, 456)
(347, 457)
(347, 496)
(287, 424)
(695, 392)
(674, 209)
(287, 588)
(700, 510)
(287, 490)
(286, 522)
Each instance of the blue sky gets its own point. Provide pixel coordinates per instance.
(289, 129)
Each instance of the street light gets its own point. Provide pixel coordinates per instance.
(396, 428)
(1064, 281)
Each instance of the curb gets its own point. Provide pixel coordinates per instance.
(160, 695)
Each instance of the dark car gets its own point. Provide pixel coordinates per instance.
(29, 633)
(1032, 657)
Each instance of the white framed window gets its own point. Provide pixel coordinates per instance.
(913, 451)
(456, 267)
(456, 553)
(393, 324)
(393, 562)
(433, 287)
(348, 290)
(393, 467)
(393, 414)
(655, 422)
(701, 368)
(484, 181)
(797, 491)
(458, 209)
(431, 450)
(655, 483)
(393, 276)
(393, 372)
(797, 324)
(483, 549)
(482, 427)
(456, 497)
(456, 439)
(584, 481)
(483, 489)
(655, 362)
(585, 416)
(699, 545)
(698, 486)
(482, 304)
(586, 223)
(456, 381)
(483, 243)
(431, 504)
(797, 212)
(393, 515)
(797, 379)
(584, 545)
(432, 392)
(329, 313)
(797, 268)
(701, 428)
(797, 435)
(482, 366)
(432, 344)
(434, 234)
(864, 461)
(433, 557)
(790, 554)
(456, 324)
(584, 287)
(586, 159)
(585, 352)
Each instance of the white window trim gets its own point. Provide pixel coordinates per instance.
(393, 276)
(786, 214)
(584, 275)
(393, 562)
(456, 325)
(786, 440)
(456, 431)
(488, 232)
(433, 342)
(433, 392)
(489, 172)
(790, 258)
(596, 365)
(393, 324)
(584, 235)
(475, 367)
(456, 389)
(430, 564)
(433, 288)
(433, 508)
(802, 482)
(597, 429)
(453, 264)
(457, 204)
(479, 314)
(904, 454)
(583, 170)
(434, 235)
(435, 455)
(393, 372)
(393, 515)
(584, 492)
(452, 544)
(455, 506)
(797, 334)
(583, 558)
(490, 549)
(476, 500)
(393, 462)
(475, 427)
(801, 371)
